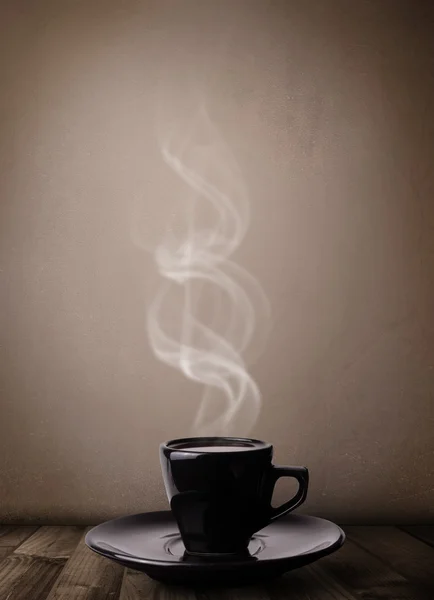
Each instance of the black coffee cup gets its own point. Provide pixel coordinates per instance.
(220, 491)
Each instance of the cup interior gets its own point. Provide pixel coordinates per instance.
(216, 444)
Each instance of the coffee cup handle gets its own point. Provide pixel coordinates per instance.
(301, 474)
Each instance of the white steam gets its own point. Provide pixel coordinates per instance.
(214, 303)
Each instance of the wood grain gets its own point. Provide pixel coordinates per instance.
(32, 569)
(12, 536)
(421, 532)
(408, 556)
(376, 563)
(258, 592)
(28, 578)
(138, 586)
(88, 576)
(368, 576)
(308, 584)
(300, 585)
(52, 542)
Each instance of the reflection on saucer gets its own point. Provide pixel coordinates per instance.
(175, 547)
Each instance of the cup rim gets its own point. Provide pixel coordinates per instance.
(203, 441)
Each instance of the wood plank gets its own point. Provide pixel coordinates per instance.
(32, 569)
(421, 532)
(367, 576)
(52, 542)
(12, 536)
(308, 584)
(88, 576)
(376, 563)
(406, 555)
(300, 585)
(138, 586)
(26, 577)
(248, 592)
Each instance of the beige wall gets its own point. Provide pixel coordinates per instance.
(328, 107)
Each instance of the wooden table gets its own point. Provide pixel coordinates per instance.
(375, 563)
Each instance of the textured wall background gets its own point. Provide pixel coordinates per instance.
(328, 107)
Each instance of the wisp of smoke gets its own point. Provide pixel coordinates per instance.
(208, 351)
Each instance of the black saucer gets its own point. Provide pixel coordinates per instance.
(150, 542)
